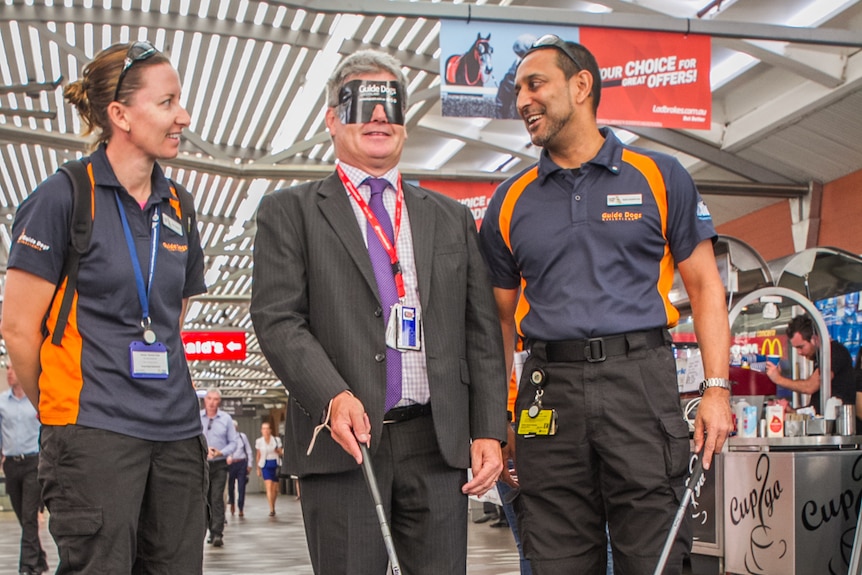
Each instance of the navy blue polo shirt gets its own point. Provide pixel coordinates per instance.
(593, 250)
(87, 379)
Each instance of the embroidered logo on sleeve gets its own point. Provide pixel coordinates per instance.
(703, 211)
(32, 242)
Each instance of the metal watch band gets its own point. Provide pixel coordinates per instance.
(714, 382)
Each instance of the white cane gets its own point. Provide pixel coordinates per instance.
(378, 506)
(696, 474)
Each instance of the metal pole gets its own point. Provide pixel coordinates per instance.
(378, 506)
(696, 474)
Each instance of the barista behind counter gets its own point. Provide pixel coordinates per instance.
(804, 339)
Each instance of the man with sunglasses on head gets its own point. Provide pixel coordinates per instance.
(122, 464)
(582, 248)
(372, 304)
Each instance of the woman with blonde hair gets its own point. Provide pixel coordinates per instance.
(123, 460)
(269, 452)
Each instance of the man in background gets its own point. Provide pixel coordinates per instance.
(806, 341)
(238, 468)
(221, 441)
(19, 445)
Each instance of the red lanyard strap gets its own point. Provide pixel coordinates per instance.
(389, 246)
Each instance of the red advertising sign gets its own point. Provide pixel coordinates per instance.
(472, 194)
(655, 79)
(214, 345)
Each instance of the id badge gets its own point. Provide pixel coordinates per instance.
(404, 329)
(537, 422)
(148, 361)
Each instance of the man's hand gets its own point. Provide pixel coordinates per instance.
(487, 463)
(773, 371)
(713, 420)
(509, 477)
(349, 424)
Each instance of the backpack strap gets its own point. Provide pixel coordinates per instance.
(187, 204)
(81, 230)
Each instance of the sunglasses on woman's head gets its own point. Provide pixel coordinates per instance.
(138, 52)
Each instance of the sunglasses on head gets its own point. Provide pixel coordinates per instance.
(138, 52)
(554, 41)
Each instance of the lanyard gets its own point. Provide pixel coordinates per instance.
(378, 230)
(143, 292)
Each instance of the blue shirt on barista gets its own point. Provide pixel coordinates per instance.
(87, 380)
(19, 425)
(593, 249)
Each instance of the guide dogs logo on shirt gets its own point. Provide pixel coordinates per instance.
(32, 242)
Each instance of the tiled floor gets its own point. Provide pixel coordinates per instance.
(259, 544)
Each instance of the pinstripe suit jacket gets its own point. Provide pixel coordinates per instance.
(317, 315)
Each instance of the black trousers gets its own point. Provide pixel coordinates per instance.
(22, 486)
(120, 504)
(218, 479)
(237, 474)
(620, 455)
(422, 498)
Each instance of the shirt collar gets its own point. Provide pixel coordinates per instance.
(357, 176)
(609, 156)
(104, 174)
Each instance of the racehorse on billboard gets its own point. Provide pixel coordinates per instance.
(473, 67)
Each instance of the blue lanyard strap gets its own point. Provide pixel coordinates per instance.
(143, 293)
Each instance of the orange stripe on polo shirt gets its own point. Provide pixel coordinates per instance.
(648, 168)
(61, 379)
(505, 224)
(508, 206)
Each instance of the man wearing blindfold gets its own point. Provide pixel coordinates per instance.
(372, 304)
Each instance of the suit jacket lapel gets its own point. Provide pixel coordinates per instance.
(335, 206)
(422, 223)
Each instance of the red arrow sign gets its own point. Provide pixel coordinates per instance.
(214, 345)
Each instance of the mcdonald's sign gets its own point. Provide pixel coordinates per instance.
(771, 346)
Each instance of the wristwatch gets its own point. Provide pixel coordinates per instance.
(714, 382)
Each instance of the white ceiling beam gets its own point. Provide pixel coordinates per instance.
(191, 23)
(565, 16)
(817, 66)
(455, 129)
(789, 107)
(711, 154)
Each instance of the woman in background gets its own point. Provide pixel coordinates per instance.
(269, 452)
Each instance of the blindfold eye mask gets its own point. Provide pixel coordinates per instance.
(357, 100)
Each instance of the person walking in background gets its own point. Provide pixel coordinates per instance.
(238, 468)
(122, 463)
(222, 440)
(19, 452)
(337, 260)
(582, 248)
(269, 452)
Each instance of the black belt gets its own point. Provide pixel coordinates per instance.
(596, 349)
(22, 457)
(400, 414)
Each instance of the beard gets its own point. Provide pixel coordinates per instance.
(554, 122)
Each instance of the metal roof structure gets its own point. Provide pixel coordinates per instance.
(786, 88)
